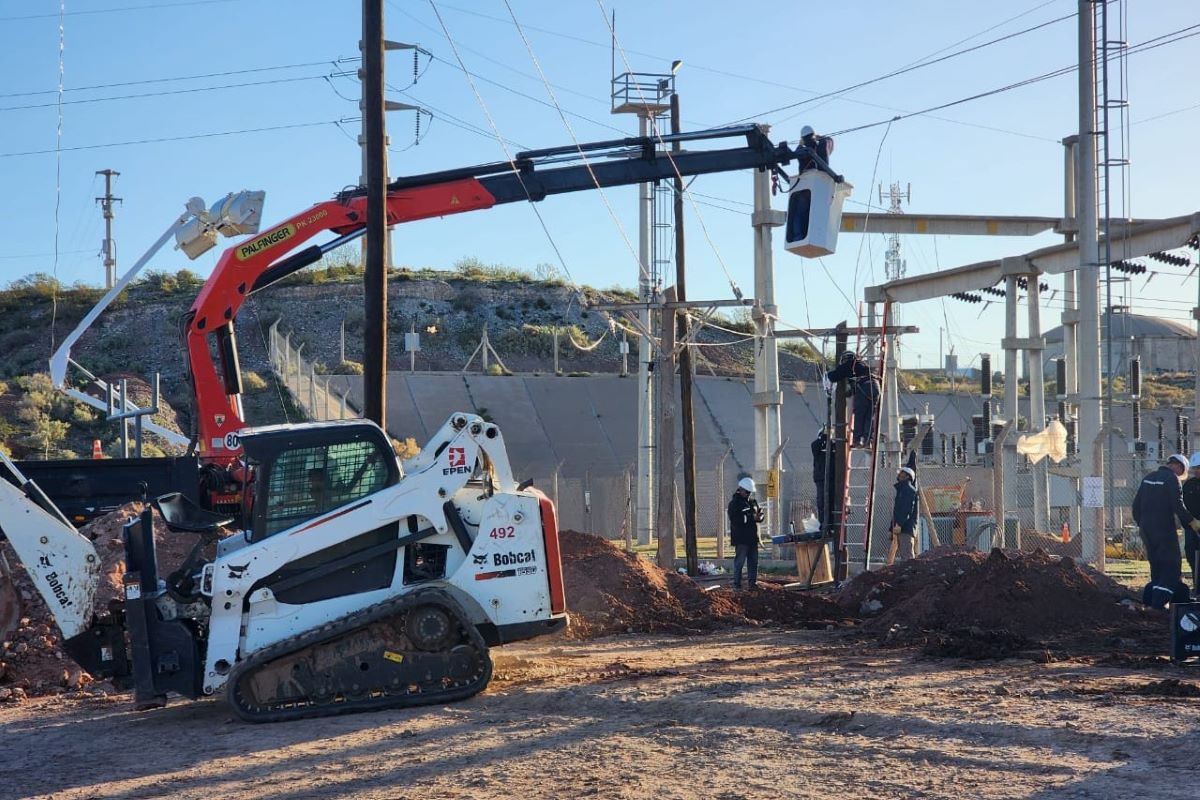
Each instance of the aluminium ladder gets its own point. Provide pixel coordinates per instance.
(861, 466)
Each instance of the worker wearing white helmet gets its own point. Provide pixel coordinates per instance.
(1156, 506)
(904, 516)
(744, 516)
(1191, 539)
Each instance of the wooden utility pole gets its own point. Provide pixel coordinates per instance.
(375, 272)
(690, 514)
(664, 369)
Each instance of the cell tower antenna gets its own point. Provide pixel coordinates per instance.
(895, 266)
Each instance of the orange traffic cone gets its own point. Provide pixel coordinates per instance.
(97, 450)
(1066, 534)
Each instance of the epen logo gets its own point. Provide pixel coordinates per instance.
(457, 458)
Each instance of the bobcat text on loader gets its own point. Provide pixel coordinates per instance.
(353, 587)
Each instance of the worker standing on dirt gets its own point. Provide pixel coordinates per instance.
(744, 516)
(904, 516)
(1191, 501)
(1156, 506)
(819, 446)
(866, 394)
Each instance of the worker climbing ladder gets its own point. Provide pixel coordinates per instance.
(861, 467)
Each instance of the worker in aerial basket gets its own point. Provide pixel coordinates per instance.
(866, 394)
(1191, 539)
(1156, 506)
(904, 516)
(744, 516)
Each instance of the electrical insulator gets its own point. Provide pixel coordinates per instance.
(1060, 377)
(908, 429)
(945, 443)
(987, 415)
(1137, 419)
(985, 375)
(1135, 376)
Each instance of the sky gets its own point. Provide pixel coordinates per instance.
(204, 97)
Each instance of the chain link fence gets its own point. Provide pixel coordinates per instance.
(314, 393)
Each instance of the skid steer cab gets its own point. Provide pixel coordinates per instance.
(356, 585)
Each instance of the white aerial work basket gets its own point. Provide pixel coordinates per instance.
(814, 213)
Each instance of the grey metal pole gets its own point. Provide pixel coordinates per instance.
(1090, 412)
(645, 453)
(1037, 405)
(555, 349)
(106, 205)
(767, 398)
(125, 421)
(1010, 349)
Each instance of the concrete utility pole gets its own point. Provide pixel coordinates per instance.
(895, 267)
(665, 387)
(375, 173)
(691, 519)
(767, 399)
(645, 452)
(1087, 281)
(108, 247)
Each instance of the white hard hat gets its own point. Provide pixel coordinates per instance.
(1195, 459)
(747, 484)
(806, 131)
(1181, 459)
(911, 472)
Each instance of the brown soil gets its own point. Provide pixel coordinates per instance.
(976, 605)
(31, 657)
(612, 591)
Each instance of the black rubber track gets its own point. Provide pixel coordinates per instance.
(373, 698)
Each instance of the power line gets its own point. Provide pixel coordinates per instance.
(905, 70)
(1149, 44)
(165, 93)
(201, 76)
(149, 7)
(171, 138)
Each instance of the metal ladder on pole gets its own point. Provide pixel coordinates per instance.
(861, 468)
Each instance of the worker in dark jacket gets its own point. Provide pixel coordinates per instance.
(744, 516)
(1156, 506)
(819, 446)
(1191, 501)
(865, 391)
(904, 516)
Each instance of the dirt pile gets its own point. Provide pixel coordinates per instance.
(31, 657)
(971, 604)
(612, 591)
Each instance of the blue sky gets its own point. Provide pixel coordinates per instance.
(995, 155)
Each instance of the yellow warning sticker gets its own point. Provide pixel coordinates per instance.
(264, 242)
(390, 656)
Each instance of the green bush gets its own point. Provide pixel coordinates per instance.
(348, 367)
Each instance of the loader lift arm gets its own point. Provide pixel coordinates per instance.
(256, 263)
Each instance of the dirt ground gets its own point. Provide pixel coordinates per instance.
(743, 714)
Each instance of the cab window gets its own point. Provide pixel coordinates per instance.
(307, 482)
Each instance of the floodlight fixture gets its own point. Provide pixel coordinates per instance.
(236, 214)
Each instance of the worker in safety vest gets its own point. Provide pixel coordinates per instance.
(1156, 506)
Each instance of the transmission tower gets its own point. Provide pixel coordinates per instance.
(894, 266)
